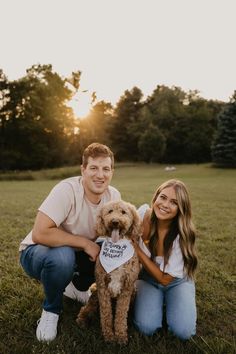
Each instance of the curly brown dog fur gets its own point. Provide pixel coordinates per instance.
(119, 283)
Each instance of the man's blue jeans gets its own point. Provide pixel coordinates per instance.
(179, 300)
(54, 268)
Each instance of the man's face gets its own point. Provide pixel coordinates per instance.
(97, 175)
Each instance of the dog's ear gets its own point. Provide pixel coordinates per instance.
(136, 227)
(100, 227)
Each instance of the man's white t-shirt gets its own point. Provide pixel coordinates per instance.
(69, 208)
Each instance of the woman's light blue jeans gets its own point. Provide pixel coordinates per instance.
(179, 300)
(54, 268)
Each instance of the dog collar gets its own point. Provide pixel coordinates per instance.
(114, 254)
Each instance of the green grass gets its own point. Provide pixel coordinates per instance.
(213, 194)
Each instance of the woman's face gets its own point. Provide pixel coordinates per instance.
(166, 205)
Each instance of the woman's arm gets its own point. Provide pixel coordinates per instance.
(148, 264)
(152, 268)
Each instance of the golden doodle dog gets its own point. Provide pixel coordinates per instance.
(116, 270)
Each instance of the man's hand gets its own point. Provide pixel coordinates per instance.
(92, 249)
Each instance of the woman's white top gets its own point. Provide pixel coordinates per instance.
(175, 265)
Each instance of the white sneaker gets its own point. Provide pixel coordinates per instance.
(47, 326)
(74, 294)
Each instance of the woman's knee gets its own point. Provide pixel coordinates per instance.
(183, 331)
(146, 328)
(148, 308)
(181, 310)
(183, 325)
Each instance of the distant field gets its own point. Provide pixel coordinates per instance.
(213, 194)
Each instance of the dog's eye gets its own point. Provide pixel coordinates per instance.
(123, 212)
(110, 211)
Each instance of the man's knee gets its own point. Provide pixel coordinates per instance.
(61, 258)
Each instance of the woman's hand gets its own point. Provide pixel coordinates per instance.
(150, 266)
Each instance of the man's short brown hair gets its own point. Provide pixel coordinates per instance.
(96, 150)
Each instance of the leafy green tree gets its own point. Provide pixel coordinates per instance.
(96, 126)
(4, 98)
(201, 122)
(186, 120)
(224, 145)
(38, 123)
(151, 144)
(126, 113)
(163, 109)
(11, 113)
(190, 135)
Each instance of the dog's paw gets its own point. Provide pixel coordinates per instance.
(122, 340)
(83, 319)
(110, 340)
(109, 336)
(93, 288)
(82, 323)
(121, 336)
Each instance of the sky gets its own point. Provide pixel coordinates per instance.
(119, 44)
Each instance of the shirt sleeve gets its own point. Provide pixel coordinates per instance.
(142, 210)
(114, 194)
(58, 203)
(118, 196)
(175, 265)
(144, 247)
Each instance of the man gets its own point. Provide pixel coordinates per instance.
(63, 236)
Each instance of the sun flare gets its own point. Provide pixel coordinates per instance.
(81, 104)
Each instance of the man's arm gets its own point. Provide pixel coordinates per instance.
(45, 232)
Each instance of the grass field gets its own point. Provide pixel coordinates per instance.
(213, 194)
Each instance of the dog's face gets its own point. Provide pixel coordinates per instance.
(118, 220)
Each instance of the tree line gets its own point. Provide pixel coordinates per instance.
(39, 130)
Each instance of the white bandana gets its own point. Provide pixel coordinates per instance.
(114, 254)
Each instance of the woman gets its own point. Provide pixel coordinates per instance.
(167, 254)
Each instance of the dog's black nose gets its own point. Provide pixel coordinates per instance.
(115, 224)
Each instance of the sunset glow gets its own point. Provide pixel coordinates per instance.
(81, 104)
(173, 43)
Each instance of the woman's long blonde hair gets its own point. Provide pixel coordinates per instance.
(181, 225)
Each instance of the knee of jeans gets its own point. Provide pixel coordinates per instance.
(182, 331)
(62, 259)
(145, 328)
